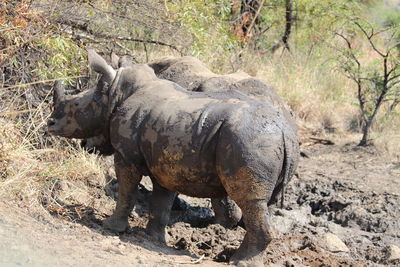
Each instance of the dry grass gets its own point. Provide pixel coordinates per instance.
(56, 175)
(320, 96)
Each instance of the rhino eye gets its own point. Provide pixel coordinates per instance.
(76, 104)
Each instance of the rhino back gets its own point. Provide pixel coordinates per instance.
(188, 72)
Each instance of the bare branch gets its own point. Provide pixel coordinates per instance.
(391, 85)
(350, 48)
(254, 19)
(393, 46)
(369, 37)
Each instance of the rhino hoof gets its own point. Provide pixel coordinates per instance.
(118, 225)
(252, 263)
(240, 260)
(156, 236)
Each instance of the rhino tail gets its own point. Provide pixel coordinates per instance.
(290, 148)
(288, 167)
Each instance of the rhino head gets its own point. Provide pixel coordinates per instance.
(101, 144)
(83, 115)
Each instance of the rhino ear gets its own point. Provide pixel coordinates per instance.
(114, 60)
(58, 93)
(125, 61)
(99, 65)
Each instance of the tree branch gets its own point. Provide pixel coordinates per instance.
(369, 37)
(84, 28)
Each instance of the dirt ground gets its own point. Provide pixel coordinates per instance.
(342, 209)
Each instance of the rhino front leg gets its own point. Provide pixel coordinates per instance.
(160, 208)
(227, 213)
(128, 179)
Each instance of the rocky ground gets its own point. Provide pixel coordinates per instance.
(342, 208)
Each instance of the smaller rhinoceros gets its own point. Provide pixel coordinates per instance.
(199, 144)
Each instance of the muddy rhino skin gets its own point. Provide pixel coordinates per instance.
(198, 144)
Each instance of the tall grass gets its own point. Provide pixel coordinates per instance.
(38, 176)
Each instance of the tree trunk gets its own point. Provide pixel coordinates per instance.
(288, 27)
(366, 128)
(289, 23)
(364, 139)
(247, 15)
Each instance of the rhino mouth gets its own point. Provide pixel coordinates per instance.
(56, 129)
(52, 127)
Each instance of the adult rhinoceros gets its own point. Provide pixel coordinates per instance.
(199, 144)
(193, 75)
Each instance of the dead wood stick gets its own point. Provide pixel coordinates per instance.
(39, 82)
(322, 141)
(191, 262)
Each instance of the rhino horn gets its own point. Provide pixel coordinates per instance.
(58, 93)
(99, 65)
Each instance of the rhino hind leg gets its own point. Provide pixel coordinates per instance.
(128, 179)
(227, 212)
(259, 234)
(251, 195)
(249, 178)
(160, 207)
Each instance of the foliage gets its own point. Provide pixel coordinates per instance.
(385, 15)
(207, 23)
(314, 21)
(63, 58)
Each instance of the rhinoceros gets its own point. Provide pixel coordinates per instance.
(193, 71)
(213, 144)
(193, 75)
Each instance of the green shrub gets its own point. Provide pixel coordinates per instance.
(63, 58)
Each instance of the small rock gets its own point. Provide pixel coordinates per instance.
(290, 263)
(394, 253)
(333, 243)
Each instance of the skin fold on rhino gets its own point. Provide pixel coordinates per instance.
(200, 144)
